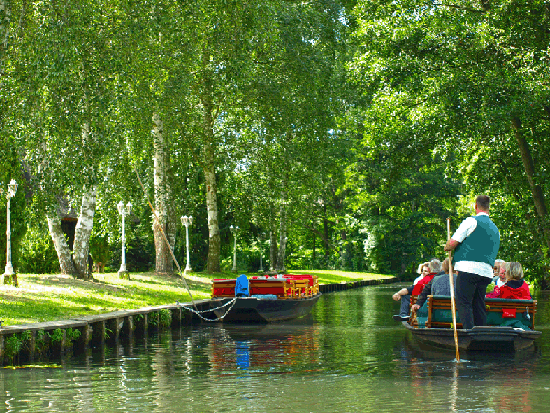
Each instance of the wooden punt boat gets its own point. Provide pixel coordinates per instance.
(510, 325)
(268, 299)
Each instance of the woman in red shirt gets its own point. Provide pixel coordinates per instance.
(433, 268)
(515, 288)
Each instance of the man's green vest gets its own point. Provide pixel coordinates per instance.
(481, 245)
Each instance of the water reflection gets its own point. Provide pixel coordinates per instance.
(348, 355)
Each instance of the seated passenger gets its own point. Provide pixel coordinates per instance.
(405, 293)
(439, 285)
(434, 267)
(420, 273)
(499, 277)
(515, 288)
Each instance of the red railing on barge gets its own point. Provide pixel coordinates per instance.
(284, 287)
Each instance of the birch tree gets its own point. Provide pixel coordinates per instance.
(61, 74)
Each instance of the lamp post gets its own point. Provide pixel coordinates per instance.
(234, 231)
(12, 189)
(123, 210)
(187, 221)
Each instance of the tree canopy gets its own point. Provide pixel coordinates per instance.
(335, 134)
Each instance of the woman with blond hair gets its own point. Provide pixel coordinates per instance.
(515, 288)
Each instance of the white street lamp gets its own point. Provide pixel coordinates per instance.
(12, 189)
(123, 210)
(234, 232)
(187, 220)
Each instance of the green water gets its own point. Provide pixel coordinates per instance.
(347, 356)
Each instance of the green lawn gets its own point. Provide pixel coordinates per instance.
(55, 297)
(333, 276)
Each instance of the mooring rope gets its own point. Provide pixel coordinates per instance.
(199, 313)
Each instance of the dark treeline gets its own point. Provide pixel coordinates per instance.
(334, 134)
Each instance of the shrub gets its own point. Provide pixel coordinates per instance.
(37, 253)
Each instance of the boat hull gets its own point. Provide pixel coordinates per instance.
(478, 338)
(252, 309)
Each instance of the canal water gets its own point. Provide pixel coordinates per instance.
(347, 356)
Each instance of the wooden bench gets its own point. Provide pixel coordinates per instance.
(298, 288)
(500, 312)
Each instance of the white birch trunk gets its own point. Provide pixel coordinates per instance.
(213, 263)
(272, 251)
(83, 230)
(164, 221)
(5, 20)
(282, 239)
(61, 245)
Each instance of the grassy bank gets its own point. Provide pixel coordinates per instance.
(55, 297)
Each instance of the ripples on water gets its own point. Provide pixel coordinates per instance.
(347, 356)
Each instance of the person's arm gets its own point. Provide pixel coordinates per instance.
(397, 296)
(423, 296)
(451, 245)
(464, 230)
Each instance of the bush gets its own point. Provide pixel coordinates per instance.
(37, 253)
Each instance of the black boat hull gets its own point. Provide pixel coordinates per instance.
(478, 338)
(252, 309)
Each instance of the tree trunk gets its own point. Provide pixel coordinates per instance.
(272, 250)
(213, 262)
(61, 246)
(529, 167)
(164, 221)
(344, 249)
(282, 240)
(214, 243)
(314, 242)
(83, 230)
(325, 233)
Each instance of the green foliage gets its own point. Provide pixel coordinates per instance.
(56, 336)
(463, 78)
(12, 346)
(165, 318)
(107, 333)
(38, 255)
(351, 132)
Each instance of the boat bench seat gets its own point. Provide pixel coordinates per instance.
(500, 312)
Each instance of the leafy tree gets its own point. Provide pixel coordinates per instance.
(466, 77)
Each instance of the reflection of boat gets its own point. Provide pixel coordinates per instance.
(262, 332)
(265, 298)
(511, 325)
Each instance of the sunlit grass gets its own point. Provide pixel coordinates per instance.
(334, 276)
(55, 297)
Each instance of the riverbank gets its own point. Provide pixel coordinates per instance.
(45, 298)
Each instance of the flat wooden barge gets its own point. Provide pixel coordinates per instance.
(268, 299)
(510, 325)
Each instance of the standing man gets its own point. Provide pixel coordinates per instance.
(476, 243)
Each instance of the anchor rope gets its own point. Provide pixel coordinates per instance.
(199, 312)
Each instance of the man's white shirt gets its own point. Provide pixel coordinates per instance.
(464, 230)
